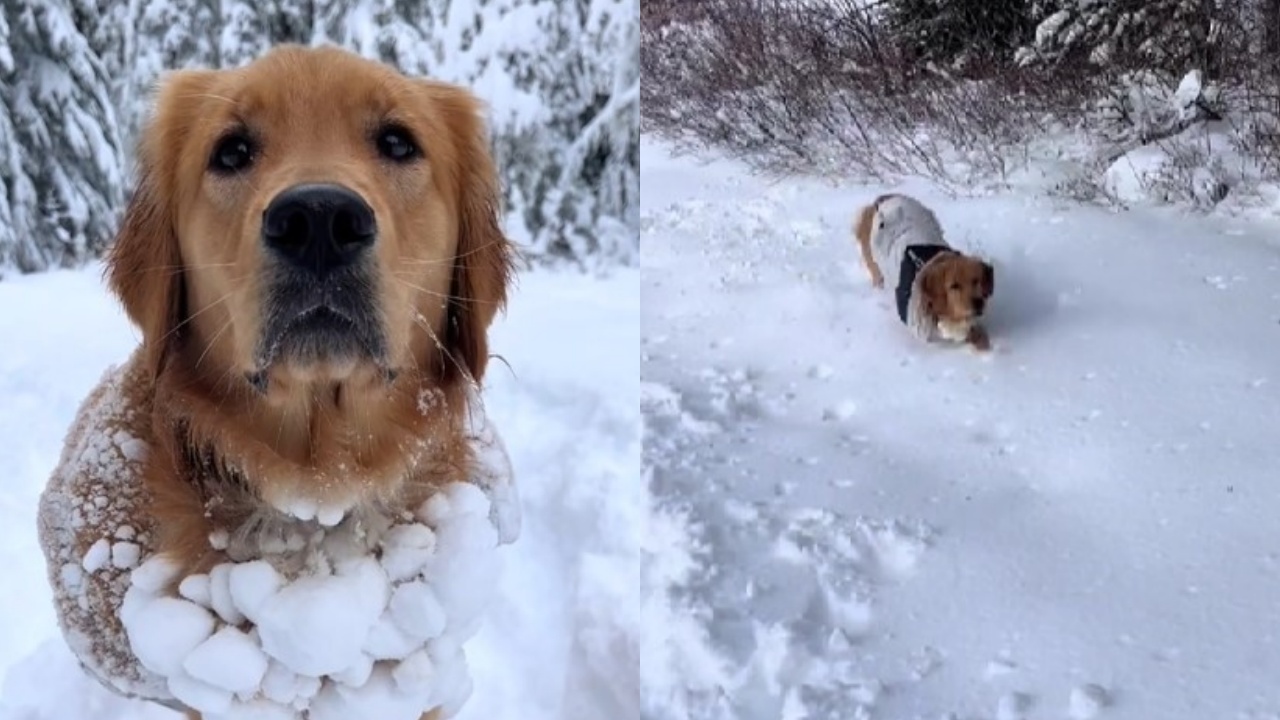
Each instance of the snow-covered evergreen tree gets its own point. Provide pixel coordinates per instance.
(243, 32)
(576, 163)
(596, 195)
(561, 78)
(60, 153)
(958, 33)
(159, 36)
(1170, 36)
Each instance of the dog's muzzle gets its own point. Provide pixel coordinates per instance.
(320, 297)
(319, 229)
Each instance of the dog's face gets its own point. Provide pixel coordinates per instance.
(956, 287)
(312, 217)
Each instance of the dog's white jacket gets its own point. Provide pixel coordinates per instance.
(900, 222)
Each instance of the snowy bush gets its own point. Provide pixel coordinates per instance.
(877, 91)
(1192, 169)
(1083, 184)
(820, 87)
(1143, 105)
(561, 78)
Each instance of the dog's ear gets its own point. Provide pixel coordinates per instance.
(484, 260)
(144, 264)
(933, 289)
(988, 279)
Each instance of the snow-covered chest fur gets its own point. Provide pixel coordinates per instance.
(338, 614)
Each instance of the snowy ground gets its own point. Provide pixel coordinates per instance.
(559, 642)
(1081, 523)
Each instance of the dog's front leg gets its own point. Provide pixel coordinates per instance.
(978, 338)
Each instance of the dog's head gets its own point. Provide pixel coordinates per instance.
(956, 287)
(313, 217)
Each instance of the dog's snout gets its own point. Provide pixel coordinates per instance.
(319, 227)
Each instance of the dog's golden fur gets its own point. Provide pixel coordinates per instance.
(954, 286)
(188, 260)
(189, 267)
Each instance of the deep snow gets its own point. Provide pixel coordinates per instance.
(558, 641)
(1081, 523)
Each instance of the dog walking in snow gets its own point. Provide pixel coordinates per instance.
(941, 292)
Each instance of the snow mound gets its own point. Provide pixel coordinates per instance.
(373, 625)
(1168, 173)
(1130, 177)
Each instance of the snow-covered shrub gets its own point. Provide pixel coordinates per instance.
(910, 87)
(1192, 168)
(1084, 185)
(561, 78)
(819, 87)
(1143, 105)
(1258, 119)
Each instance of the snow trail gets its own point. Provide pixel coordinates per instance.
(1080, 522)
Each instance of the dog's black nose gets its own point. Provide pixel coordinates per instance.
(319, 227)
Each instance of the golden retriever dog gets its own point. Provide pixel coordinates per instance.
(941, 292)
(313, 255)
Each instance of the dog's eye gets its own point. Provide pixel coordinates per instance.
(396, 144)
(232, 154)
(955, 286)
